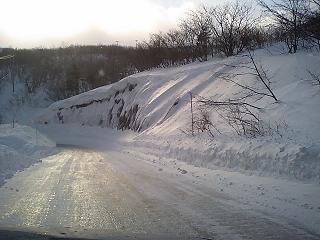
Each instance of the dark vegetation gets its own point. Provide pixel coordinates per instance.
(227, 29)
(68, 71)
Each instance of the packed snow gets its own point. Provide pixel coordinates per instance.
(290, 200)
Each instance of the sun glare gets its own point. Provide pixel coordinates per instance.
(39, 19)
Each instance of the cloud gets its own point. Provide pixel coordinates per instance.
(47, 22)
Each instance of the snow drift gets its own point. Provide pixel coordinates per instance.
(20, 147)
(157, 104)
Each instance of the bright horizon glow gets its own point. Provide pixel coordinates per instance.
(34, 20)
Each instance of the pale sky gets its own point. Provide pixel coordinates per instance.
(48, 23)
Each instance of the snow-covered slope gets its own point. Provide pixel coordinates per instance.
(157, 104)
(21, 147)
(20, 105)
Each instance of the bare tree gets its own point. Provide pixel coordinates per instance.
(289, 16)
(232, 24)
(253, 69)
(316, 2)
(197, 28)
(10, 58)
(311, 27)
(180, 50)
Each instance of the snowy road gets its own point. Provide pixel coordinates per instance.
(87, 194)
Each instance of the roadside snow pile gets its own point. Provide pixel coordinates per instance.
(157, 104)
(20, 147)
(259, 157)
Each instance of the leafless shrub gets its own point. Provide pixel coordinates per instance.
(203, 123)
(244, 122)
(314, 78)
(243, 118)
(253, 69)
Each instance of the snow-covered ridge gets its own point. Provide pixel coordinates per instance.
(157, 104)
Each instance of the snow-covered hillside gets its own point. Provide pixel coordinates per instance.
(157, 104)
(20, 105)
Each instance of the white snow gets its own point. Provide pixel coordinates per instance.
(20, 105)
(21, 147)
(297, 201)
(157, 103)
(275, 175)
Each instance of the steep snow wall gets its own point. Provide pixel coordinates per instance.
(157, 103)
(113, 108)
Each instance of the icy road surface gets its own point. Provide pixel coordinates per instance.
(87, 194)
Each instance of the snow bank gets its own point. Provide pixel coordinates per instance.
(157, 104)
(20, 147)
(259, 157)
